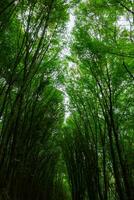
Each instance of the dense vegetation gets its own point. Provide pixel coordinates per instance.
(66, 118)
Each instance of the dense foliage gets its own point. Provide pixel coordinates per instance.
(45, 155)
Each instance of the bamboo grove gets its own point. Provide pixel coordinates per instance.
(88, 155)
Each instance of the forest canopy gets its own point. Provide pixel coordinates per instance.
(67, 100)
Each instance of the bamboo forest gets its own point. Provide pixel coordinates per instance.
(66, 99)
